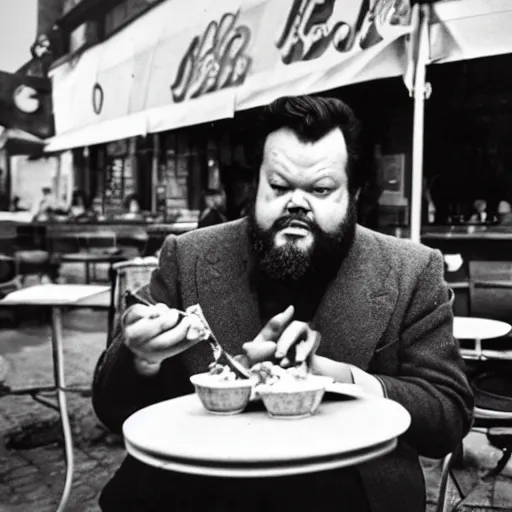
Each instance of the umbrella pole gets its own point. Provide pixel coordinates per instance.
(420, 93)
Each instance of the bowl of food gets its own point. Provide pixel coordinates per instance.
(291, 393)
(221, 392)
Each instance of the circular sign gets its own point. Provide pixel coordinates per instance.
(97, 98)
(26, 99)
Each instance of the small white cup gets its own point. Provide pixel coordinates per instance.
(453, 262)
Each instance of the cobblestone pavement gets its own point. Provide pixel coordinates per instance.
(31, 453)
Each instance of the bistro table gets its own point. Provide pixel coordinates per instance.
(177, 435)
(91, 258)
(56, 297)
(478, 329)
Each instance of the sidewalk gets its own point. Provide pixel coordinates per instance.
(32, 466)
(32, 460)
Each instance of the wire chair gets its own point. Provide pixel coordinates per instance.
(127, 276)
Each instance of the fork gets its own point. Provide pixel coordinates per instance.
(219, 354)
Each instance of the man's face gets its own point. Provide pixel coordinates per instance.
(303, 203)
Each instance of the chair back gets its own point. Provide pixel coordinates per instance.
(127, 276)
(491, 289)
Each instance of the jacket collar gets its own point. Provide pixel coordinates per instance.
(358, 303)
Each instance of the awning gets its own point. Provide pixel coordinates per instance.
(470, 29)
(219, 57)
(384, 60)
(211, 107)
(18, 142)
(106, 131)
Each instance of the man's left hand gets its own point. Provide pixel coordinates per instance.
(297, 343)
(289, 341)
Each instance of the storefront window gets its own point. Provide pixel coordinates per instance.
(120, 181)
(173, 174)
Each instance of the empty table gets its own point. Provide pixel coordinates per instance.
(478, 329)
(57, 296)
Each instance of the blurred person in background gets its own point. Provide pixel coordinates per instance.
(78, 208)
(214, 211)
(46, 205)
(479, 211)
(132, 210)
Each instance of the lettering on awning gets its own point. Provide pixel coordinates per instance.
(215, 60)
(308, 31)
(98, 97)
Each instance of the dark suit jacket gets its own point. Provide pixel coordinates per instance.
(388, 312)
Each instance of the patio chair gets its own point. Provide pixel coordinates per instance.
(127, 276)
(499, 435)
(490, 288)
(32, 254)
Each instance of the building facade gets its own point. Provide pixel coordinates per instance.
(157, 99)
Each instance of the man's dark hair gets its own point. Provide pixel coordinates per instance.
(311, 118)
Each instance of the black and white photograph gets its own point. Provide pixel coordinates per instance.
(255, 255)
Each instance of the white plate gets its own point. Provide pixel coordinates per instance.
(239, 471)
(181, 429)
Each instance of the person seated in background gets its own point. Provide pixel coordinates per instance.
(78, 208)
(131, 207)
(16, 206)
(505, 212)
(214, 211)
(480, 211)
(46, 206)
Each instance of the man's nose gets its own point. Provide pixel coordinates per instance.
(298, 200)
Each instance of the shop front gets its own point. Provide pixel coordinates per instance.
(164, 109)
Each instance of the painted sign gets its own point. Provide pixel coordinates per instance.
(309, 31)
(97, 98)
(25, 103)
(219, 57)
(214, 60)
(384, 17)
(312, 26)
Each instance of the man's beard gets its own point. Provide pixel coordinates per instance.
(288, 262)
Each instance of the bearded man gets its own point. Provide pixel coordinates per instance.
(363, 307)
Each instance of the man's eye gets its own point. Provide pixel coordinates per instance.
(280, 189)
(322, 191)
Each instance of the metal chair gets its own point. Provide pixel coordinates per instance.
(446, 472)
(127, 275)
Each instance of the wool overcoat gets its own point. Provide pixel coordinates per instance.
(388, 311)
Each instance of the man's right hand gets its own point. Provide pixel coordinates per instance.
(154, 333)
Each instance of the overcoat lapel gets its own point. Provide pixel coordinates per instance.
(357, 305)
(229, 303)
(351, 317)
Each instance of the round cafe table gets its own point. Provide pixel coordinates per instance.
(56, 297)
(478, 329)
(180, 435)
